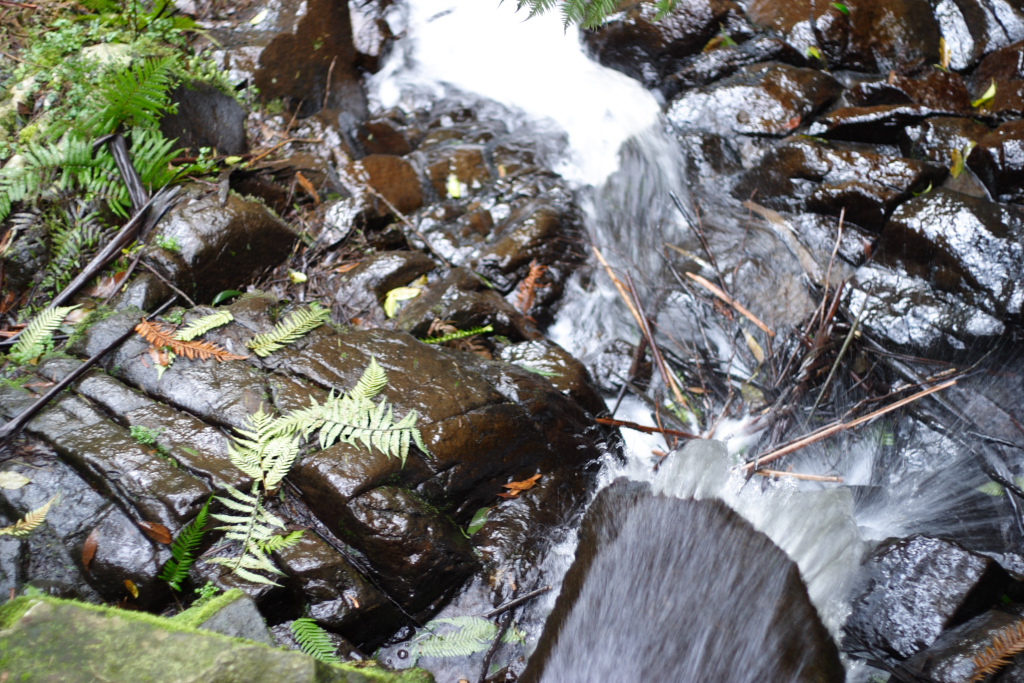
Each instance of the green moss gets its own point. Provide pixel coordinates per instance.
(12, 611)
(194, 616)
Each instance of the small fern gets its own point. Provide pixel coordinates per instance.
(137, 95)
(201, 326)
(263, 454)
(314, 641)
(254, 526)
(466, 636)
(29, 523)
(37, 337)
(459, 334)
(278, 543)
(183, 550)
(289, 330)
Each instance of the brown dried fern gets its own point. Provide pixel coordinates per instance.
(1006, 644)
(161, 334)
(526, 292)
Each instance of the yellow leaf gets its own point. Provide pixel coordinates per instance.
(453, 186)
(132, 588)
(944, 53)
(296, 277)
(813, 51)
(987, 98)
(259, 17)
(754, 347)
(398, 294)
(13, 480)
(231, 161)
(958, 164)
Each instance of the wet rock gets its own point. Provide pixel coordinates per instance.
(905, 309)
(48, 639)
(371, 33)
(239, 619)
(362, 290)
(883, 123)
(762, 99)
(394, 178)
(826, 178)
(466, 163)
(819, 233)
(909, 591)
(935, 88)
(998, 160)
(936, 138)
(338, 597)
(384, 136)
(602, 628)
(296, 64)
(875, 36)
(564, 372)
(725, 60)
(1004, 68)
(950, 659)
(646, 48)
(218, 246)
(974, 28)
(967, 245)
(205, 117)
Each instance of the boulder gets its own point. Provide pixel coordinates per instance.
(975, 28)
(670, 589)
(205, 117)
(951, 658)
(998, 161)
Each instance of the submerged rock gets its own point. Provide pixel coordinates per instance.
(668, 589)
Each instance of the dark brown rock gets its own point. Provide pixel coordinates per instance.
(466, 162)
(394, 178)
(725, 60)
(756, 617)
(911, 590)
(998, 160)
(950, 659)
(882, 123)
(762, 99)
(361, 291)
(975, 28)
(383, 136)
(936, 138)
(205, 117)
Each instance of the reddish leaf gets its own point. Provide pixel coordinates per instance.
(158, 532)
(793, 123)
(516, 486)
(89, 548)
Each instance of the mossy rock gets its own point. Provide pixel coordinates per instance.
(47, 639)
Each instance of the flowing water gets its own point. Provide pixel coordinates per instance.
(608, 136)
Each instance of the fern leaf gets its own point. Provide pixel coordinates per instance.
(201, 326)
(467, 636)
(36, 337)
(159, 334)
(29, 523)
(314, 641)
(251, 528)
(373, 380)
(297, 324)
(151, 155)
(1006, 644)
(183, 550)
(459, 334)
(137, 95)
(278, 543)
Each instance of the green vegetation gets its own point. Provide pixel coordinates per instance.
(588, 13)
(183, 550)
(314, 641)
(291, 329)
(460, 637)
(37, 338)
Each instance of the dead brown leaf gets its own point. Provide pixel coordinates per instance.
(158, 532)
(308, 187)
(345, 267)
(161, 334)
(92, 543)
(515, 487)
(107, 286)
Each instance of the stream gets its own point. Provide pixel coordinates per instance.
(610, 138)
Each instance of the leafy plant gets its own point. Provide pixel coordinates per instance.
(161, 335)
(294, 327)
(314, 641)
(588, 13)
(278, 543)
(136, 95)
(266, 449)
(459, 334)
(201, 326)
(183, 550)
(462, 637)
(29, 523)
(37, 337)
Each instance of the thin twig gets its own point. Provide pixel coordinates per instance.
(826, 432)
(502, 630)
(714, 289)
(618, 284)
(642, 428)
(659, 359)
(515, 603)
(279, 145)
(802, 477)
(327, 89)
(170, 284)
(839, 358)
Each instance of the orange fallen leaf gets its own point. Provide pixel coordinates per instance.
(132, 588)
(158, 532)
(516, 486)
(308, 187)
(793, 123)
(89, 548)
(345, 267)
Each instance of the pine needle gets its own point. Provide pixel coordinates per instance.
(1006, 644)
(160, 335)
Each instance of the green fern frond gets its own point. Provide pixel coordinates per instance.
(137, 95)
(151, 155)
(289, 330)
(255, 525)
(201, 326)
(36, 338)
(350, 421)
(183, 550)
(314, 641)
(371, 383)
(460, 334)
(468, 636)
(29, 523)
(278, 543)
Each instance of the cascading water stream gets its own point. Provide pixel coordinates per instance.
(611, 139)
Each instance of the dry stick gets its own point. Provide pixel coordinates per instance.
(698, 230)
(645, 328)
(167, 282)
(714, 289)
(327, 89)
(515, 603)
(506, 621)
(642, 428)
(802, 477)
(839, 358)
(826, 432)
(279, 145)
(618, 284)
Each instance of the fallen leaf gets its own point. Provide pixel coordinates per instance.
(296, 277)
(107, 286)
(453, 186)
(345, 267)
(132, 588)
(516, 486)
(987, 98)
(308, 187)
(158, 532)
(92, 543)
(793, 123)
(13, 480)
(398, 294)
(259, 17)
(754, 347)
